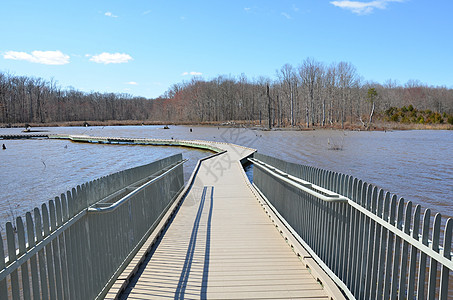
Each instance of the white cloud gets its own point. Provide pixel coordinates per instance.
(111, 58)
(132, 83)
(192, 73)
(146, 12)
(247, 8)
(363, 8)
(286, 15)
(39, 57)
(109, 14)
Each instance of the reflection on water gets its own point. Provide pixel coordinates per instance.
(416, 165)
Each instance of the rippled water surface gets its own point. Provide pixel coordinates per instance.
(416, 165)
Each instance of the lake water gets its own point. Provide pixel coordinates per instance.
(416, 165)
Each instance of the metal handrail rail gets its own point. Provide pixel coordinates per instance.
(303, 185)
(117, 204)
(400, 233)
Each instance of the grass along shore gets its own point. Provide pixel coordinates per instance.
(376, 126)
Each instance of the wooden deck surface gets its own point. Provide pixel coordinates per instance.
(222, 245)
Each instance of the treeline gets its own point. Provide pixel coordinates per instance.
(411, 115)
(311, 93)
(34, 100)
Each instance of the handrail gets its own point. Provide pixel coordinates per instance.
(303, 185)
(114, 206)
(438, 256)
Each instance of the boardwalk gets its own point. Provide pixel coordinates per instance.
(222, 245)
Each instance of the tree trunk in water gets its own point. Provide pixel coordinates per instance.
(269, 112)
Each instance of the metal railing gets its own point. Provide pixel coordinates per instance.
(76, 246)
(374, 245)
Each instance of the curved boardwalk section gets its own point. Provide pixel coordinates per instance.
(220, 244)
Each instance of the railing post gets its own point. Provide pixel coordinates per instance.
(422, 264)
(11, 242)
(22, 249)
(3, 285)
(444, 275)
(33, 259)
(405, 253)
(413, 259)
(433, 263)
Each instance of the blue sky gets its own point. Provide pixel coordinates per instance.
(143, 47)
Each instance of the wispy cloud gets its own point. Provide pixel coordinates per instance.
(247, 8)
(110, 58)
(286, 15)
(110, 14)
(363, 8)
(146, 12)
(132, 83)
(39, 57)
(192, 73)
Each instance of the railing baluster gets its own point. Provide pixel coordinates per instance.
(394, 279)
(56, 252)
(69, 244)
(353, 242)
(48, 250)
(404, 254)
(343, 233)
(390, 250)
(11, 242)
(41, 255)
(336, 231)
(330, 223)
(422, 263)
(383, 247)
(413, 261)
(3, 285)
(433, 263)
(377, 246)
(22, 250)
(323, 229)
(359, 253)
(367, 247)
(59, 205)
(444, 275)
(67, 207)
(88, 258)
(33, 260)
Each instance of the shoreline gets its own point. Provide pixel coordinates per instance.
(378, 126)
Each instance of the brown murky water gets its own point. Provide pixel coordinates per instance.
(416, 165)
